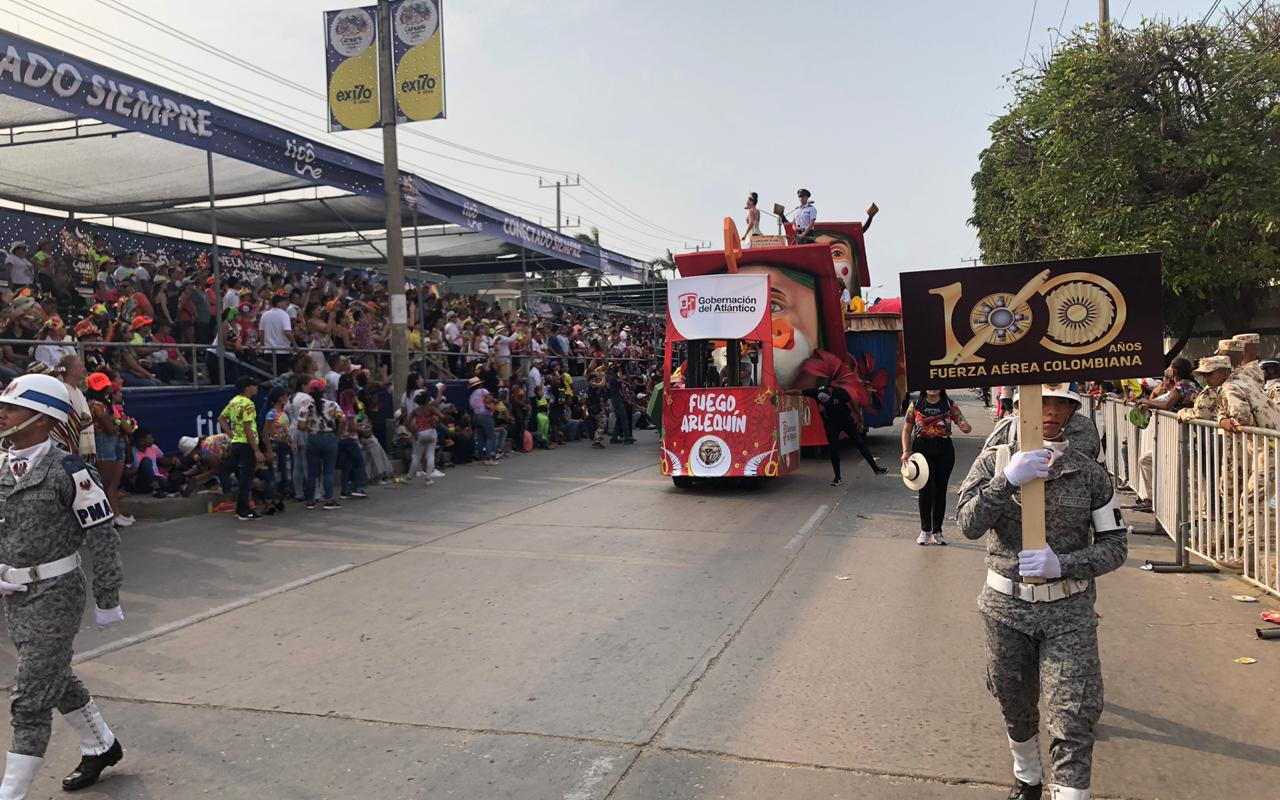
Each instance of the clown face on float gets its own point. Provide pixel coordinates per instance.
(804, 303)
(848, 253)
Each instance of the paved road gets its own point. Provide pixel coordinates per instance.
(568, 626)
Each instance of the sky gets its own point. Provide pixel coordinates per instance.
(673, 111)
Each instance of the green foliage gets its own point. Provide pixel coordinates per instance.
(1166, 137)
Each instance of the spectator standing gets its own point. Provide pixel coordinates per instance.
(278, 437)
(239, 420)
(18, 270)
(107, 441)
(322, 420)
(621, 411)
(482, 417)
(71, 371)
(276, 328)
(1177, 392)
(350, 455)
(423, 423)
(926, 430)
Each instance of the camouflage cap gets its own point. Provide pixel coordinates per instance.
(1230, 345)
(1213, 364)
(1246, 338)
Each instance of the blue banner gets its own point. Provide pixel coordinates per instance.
(48, 76)
(172, 414)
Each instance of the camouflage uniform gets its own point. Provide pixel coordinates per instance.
(1243, 400)
(1053, 645)
(1273, 393)
(1204, 407)
(1252, 371)
(1080, 431)
(38, 525)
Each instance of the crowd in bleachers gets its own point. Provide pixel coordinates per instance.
(317, 345)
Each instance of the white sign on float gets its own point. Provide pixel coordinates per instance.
(717, 306)
(789, 432)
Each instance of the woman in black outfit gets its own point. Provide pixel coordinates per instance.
(926, 429)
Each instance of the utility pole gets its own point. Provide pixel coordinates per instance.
(973, 262)
(558, 185)
(1104, 20)
(391, 190)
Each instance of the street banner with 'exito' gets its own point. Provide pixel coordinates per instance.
(1040, 322)
(351, 67)
(419, 59)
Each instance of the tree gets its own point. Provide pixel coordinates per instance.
(595, 278)
(663, 266)
(1165, 137)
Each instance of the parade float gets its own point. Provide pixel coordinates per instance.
(748, 330)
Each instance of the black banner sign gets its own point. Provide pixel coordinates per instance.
(1040, 322)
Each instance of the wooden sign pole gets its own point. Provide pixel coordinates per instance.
(1031, 437)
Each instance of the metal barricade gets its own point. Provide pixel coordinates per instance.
(1166, 470)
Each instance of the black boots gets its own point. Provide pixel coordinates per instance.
(91, 767)
(1025, 791)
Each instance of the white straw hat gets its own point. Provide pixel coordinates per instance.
(915, 473)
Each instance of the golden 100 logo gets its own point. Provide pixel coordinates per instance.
(1080, 312)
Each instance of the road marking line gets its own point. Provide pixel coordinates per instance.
(170, 627)
(536, 556)
(818, 514)
(488, 478)
(594, 774)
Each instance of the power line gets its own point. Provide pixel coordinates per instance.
(273, 110)
(1209, 13)
(1062, 21)
(595, 189)
(123, 8)
(1125, 13)
(1026, 47)
(120, 7)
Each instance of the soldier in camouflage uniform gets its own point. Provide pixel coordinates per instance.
(1214, 371)
(1250, 366)
(1045, 635)
(1244, 404)
(51, 503)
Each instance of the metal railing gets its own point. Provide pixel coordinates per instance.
(1214, 492)
(201, 360)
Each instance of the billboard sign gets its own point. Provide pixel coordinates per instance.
(1039, 322)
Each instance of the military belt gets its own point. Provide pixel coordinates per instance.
(1036, 592)
(27, 575)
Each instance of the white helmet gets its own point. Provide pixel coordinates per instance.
(186, 444)
(1070, 391)
(43, 393)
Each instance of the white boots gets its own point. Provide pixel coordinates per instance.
(95, 737)
(1064, 793)
(1026, 761)
(19, 772)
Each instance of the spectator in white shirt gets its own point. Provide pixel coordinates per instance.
(276, 327)
(16, 266)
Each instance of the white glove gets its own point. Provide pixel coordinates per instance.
(823, 397)
(106, 617)
(1039, 564)
(7, 588)
(1026, 466)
